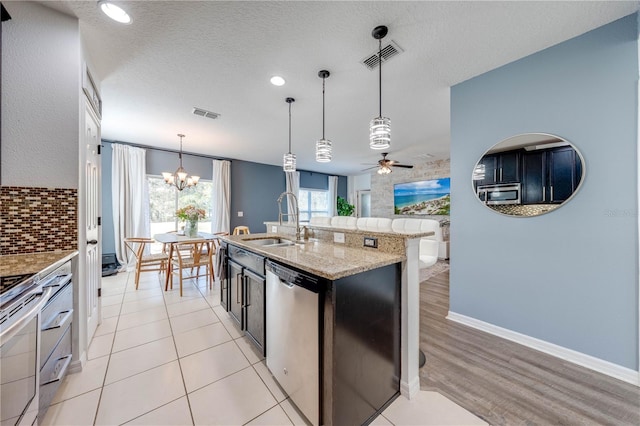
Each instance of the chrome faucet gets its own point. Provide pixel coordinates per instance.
(295, 208)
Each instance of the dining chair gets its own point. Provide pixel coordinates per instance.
(145, 262)
(187, 263)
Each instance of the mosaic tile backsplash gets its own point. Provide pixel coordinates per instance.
(38, 219)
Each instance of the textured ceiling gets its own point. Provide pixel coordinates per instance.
(220, 55)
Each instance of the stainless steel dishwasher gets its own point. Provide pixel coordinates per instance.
(293, 335)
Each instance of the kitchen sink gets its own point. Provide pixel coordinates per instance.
(271, 242)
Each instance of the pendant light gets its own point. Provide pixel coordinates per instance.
(180, 179)
(289, 160)
(323, 146)
(380, 127)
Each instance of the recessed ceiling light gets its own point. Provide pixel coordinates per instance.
(114, 12)
(276, 80)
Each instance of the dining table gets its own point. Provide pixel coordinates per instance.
(173, 239)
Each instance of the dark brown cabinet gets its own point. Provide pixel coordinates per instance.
(550, 176)
(244, 293)
(234, 285)
(500, 168)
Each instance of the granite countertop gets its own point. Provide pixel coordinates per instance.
(327, 260)
(33, 263)
(357, 231)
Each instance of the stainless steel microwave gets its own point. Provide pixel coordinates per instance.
(507, 193)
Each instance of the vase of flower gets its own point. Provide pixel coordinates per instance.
(191, 228)
(190, 215)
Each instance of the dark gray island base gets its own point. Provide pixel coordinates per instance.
(361, 359)
(357, 367)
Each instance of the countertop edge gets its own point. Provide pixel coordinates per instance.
(16, 264)
(387, 258)
(360, 231)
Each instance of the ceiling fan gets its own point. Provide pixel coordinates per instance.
(385, 165)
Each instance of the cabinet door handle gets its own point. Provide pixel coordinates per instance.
(246, 292)
(494, 174)
(500, 174)
(551, 193)
(238, 288)
(544, 194)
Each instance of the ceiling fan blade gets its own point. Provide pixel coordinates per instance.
(402, 165)
(369, 168)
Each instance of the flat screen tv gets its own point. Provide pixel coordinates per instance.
(426, 197)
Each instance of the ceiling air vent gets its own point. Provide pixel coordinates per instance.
(389, 51)
(204, 113)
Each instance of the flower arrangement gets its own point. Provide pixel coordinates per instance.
(190, 213)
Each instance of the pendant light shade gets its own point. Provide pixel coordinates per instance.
(289, 159)
(323, 146)
(380, 127)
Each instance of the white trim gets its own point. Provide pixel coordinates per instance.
(638, 179)
(605, 367)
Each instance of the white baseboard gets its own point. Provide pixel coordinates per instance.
(605, 367)
(77, 365)
(410, 390)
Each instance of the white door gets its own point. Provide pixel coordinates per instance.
(364, 203)
(93, 267)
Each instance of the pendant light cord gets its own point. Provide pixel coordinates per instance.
(180, 154)
(323, 79)
(289, 127)
(380, 75)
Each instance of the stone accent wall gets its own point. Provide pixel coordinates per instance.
(382, 185)
(38, 219)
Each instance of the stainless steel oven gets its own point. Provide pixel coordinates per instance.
(20, 305)
(31, 312)
(508, 193)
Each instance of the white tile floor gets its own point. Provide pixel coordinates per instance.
(161, 359)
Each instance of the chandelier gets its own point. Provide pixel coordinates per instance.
(180, 179)
(379, 127)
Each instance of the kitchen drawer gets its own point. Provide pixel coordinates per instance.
(247, 259)
(54, 371)
(56, 317)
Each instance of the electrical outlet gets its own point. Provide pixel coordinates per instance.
(338, 237)
(371, 242)
(240, 214)
(274, 229)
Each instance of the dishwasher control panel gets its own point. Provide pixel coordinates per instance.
(288, 275)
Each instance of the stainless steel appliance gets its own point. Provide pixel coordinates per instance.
(55, 347)
(507, 193)
(293, 335)
(21, 300)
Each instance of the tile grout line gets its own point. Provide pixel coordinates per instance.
(184, 385)
(104, 379)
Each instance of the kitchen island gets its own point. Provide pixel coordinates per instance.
(364, 314)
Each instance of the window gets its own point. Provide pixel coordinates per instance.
(164, 200)
(313, 202)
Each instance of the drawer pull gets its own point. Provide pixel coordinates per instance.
(60, 370)
(54, 323)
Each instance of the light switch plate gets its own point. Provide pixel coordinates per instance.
(240, 214)
(274, 229)
(371, 242)
(338, 237)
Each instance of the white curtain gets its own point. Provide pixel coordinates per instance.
(293, 185)
(221, 196)
(130, 198)
(333, 195)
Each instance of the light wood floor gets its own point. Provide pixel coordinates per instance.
(505, 383)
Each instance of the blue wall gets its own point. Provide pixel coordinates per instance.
(255, 187)
(569, 277)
